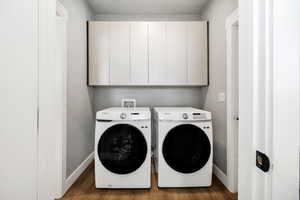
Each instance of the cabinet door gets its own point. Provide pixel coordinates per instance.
(119, 53)
(177, 53)
(98, 53)
(197, 53)
(158, 69)
(139, 53)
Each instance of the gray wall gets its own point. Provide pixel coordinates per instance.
(148, 96)
(80, 111)
(216, 12)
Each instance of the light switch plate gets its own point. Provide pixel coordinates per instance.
(128, 103)
(221, 97)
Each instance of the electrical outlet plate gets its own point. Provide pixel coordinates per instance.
(221, 97)
(128, 103)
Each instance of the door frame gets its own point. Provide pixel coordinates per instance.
(232, 144)
(62, 19)
(49, 110)
(48, 163)
(269, 98)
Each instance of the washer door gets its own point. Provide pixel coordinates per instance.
(186, 148)
(122, 149)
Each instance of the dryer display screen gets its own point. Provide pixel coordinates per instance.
(198, 116)
(186, 148)
(122, 149)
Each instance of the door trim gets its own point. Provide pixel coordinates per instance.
(50, 141)
(232, 146)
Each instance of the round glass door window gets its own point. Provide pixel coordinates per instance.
(122, 149)
(186, 148)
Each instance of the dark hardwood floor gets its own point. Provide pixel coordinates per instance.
(84, 189)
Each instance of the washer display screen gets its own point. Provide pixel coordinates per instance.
(122, 149)
(186, 148)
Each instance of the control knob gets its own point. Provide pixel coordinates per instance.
(185, 116)
(123, 116)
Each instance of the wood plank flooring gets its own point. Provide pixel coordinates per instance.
(84, 189)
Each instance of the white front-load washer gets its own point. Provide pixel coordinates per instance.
(184, 141)
(123, 148)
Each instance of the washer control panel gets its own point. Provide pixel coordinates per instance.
(117, 114)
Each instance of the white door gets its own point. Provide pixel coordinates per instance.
(269, 99)
(19, 100)
(158, 69)
(235, 88)
(197, 53)
(139, 53)
(119, 48)
(177, 52)
(98, 53)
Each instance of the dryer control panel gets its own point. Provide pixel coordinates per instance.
(183, 114)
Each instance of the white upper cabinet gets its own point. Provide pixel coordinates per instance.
(177, 52)
(139, 53)
(119, 50)
(148, 53)
(197, 53)
(158, 68)
(98, 53)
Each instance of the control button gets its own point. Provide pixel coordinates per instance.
(185, 116)
(123, 116)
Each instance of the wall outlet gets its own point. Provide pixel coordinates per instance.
(128, 103)
(221, 97)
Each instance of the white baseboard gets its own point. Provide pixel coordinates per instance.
(80, 169)
(220, 174)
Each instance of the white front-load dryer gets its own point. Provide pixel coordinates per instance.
(184, 141)
(123, 148)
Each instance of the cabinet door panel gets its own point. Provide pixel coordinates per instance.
(139, 53)
(158, 69)
(98, 53)
(177, 53)
(197, 53)
(119, 53)
(154, 53)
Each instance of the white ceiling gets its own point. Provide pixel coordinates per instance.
(186, 7)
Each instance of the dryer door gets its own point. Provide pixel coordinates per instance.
(122, 149)
(186, 148)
